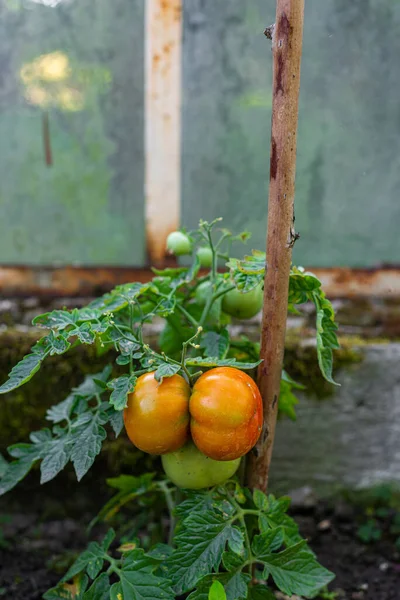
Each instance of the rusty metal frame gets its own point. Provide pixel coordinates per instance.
(23, 281)
(163, 47)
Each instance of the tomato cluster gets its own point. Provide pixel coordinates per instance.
(218, 421)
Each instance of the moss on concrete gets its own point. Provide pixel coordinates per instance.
(24, 409)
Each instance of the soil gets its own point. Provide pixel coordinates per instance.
(35, 551)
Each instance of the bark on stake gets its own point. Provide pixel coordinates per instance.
(286, 46)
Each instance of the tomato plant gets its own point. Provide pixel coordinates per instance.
(193, 400)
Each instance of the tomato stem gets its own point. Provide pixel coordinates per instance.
(171, 507)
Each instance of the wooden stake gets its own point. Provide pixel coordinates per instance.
(287, 47)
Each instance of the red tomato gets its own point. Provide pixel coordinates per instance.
(157, 415)
(226, 413)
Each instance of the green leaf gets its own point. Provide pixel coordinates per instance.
(268, 542)
(166, 370)
(304, 287)
(84, 333)
(121, 386)
(3, 465)
(57, 455)
(215, 344)
(200, 543)
(57, 319)
(87, 444)
(90, 561)
(301, 285)
(260, 500)
(217, 591)
(116, 421)
(171, 273)
(25, 369)
(248, 273)
(14, 473)
(287, 400)
(294, 570)
(138, 580)
(260, 592)
(91, 384)
(61, 411)
(216, 362)
(295, 384)
(235, 586)
(56, 343)
(99, 590)
(62, 592)
(326, 334)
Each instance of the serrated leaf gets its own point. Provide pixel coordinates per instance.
(108, 539)
(84, 333)
(165, 307)
(295, 570)
(87, 444)
(198, 501)
(326, 334)
(166, 370)
(268, 542)
(215, 344)
(121, 386)
(160, 552)
(90, 561)
(99, 590)
(216, 362)
(301, 284)
(116, 421)
(89, 388)
(200, 543)
(260, 592)
(56, 343)
(260, 500)
(56, 457)
(25, 369)
(57, 319)
(66, 591)
(61, 411)
(139, 582)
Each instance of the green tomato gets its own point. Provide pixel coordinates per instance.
(178, 243)
(203, 291)
(188, 468)
(243, 306)
(205, 256)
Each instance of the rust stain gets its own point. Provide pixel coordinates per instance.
(274, 160)
(283, 34)
(170, 11)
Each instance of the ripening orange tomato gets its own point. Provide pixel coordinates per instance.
(226, 413)
(157, 414)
